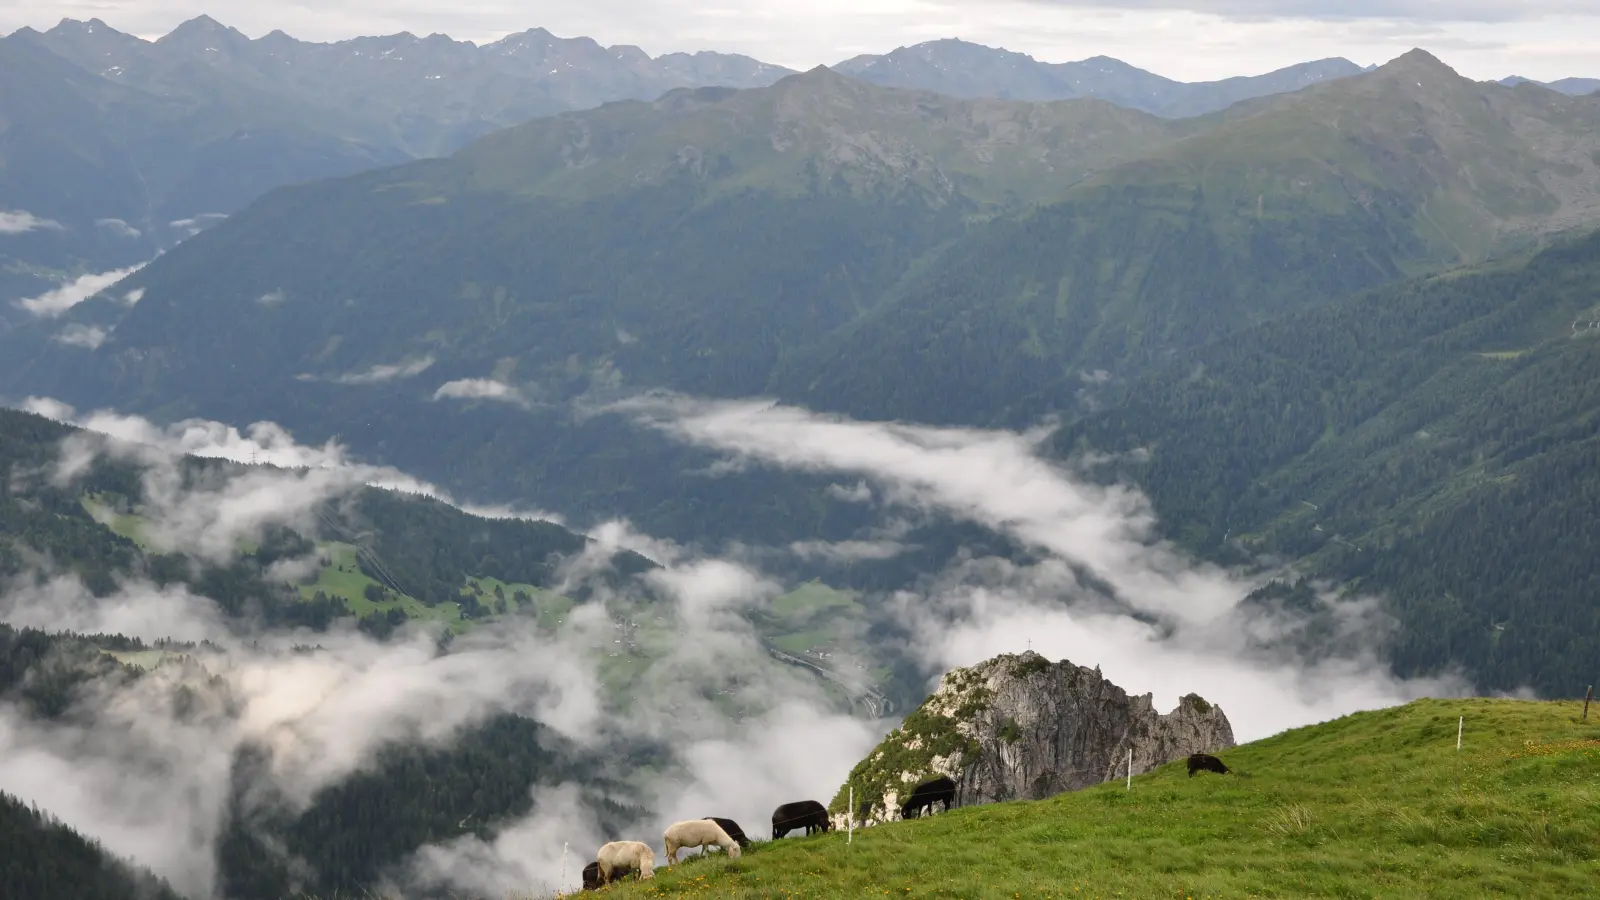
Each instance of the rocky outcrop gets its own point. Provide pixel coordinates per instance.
(1019, 727)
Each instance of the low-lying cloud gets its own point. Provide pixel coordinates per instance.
(1103, 563)
(478, 389)
(153, 785)
(118, 228)
(54, 303)
(21, 221)
(381, 373)
(123, 768)
(747, 732)
(79, 335)
(261, 442)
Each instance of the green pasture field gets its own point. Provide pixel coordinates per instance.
(1376, 804)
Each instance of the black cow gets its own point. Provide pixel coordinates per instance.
(733, 830)
(807, 814)
(1204, 762)
(940, 790)
(592, 879)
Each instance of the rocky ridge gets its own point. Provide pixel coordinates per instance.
(1019, 727)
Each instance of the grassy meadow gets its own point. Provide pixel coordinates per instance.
(1376, 804)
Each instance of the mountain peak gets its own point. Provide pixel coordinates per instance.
(1418, 60)
(203, 27)
(76, 26)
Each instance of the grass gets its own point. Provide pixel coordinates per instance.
(1376, 804)
(810, 599)
(143, 659)
(342, 577)
(812, 615)
(102, 508)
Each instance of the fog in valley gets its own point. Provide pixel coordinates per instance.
(746, 732)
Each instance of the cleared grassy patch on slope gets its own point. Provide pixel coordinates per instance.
(342, 577)
(1376, 804)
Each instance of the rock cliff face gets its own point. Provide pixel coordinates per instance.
(1019, 727)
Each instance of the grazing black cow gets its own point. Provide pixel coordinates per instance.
(807, 814)
(1205, 762)
(939, 790)
(592, 879)
(733, 830)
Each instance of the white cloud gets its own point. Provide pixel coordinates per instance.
(707, 586)
(382, 373)
(195, 224)
(1203, 638)
(21, 221)
(263, 442)
(75, 335)
(994, 478)
(860, 492)
(478, 389)
(53, 303)
(1184, 39)
(118, 228)
(152, 783)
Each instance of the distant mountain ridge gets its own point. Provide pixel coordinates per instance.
(116, 147)
(1572, 87)
(964, 69)
(433, 92)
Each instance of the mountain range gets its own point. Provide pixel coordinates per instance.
(883, 253)
(1577, 87)
(963, 69)
(117, 148)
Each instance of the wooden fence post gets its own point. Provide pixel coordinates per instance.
(1586, 698)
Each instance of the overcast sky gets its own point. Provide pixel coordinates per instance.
(1185, 39)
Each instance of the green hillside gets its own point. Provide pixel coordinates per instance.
(1436, 442)
(377, 552)
(1376, 804)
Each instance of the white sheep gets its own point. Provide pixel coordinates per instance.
(619, 857)
(697, 833)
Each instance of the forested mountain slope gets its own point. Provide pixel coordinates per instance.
(379, 555)
(821, 239)
(691, 242)
(1294, 201)
(45, 860)
(1436, 443)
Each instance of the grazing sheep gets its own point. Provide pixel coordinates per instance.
(591, 877)
(697, 833)
(1205, 762)
(939, 790)
(733, 830)
(807, 814)
(619, 857)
